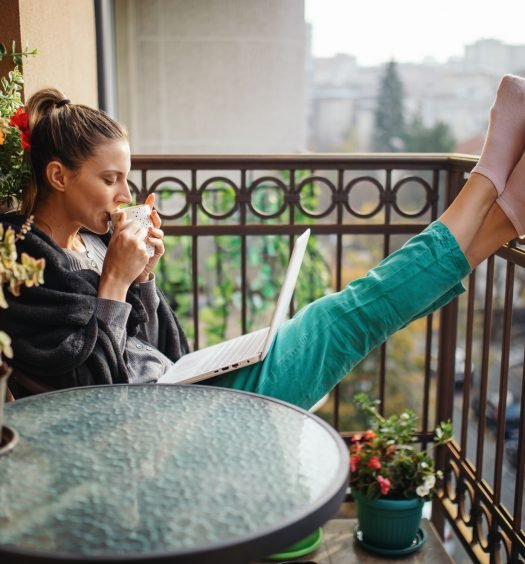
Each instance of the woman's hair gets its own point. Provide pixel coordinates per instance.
(60, 130)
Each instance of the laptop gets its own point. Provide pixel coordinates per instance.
(240, 351)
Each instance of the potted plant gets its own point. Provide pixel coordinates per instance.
(15, 171)
(390, 479)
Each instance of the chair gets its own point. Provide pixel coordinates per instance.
(20, 385)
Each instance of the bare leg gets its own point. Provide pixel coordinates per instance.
(495, 231)
(465, 216)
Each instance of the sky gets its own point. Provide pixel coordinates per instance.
(376, 31)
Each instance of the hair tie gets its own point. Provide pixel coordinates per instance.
(63, 102)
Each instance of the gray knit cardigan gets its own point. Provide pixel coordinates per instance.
(57, 339)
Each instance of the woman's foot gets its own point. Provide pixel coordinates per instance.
(505, 139)
(512, 199)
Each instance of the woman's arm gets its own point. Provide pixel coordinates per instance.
(149, 330)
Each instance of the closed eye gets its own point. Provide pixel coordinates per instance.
(110, 181)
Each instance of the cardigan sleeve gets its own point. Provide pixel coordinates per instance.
(56, 335)
(149, 330)
(115, 315)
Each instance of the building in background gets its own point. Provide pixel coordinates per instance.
(491, 55)
(213, 76)
(236, 76)
(458, 93)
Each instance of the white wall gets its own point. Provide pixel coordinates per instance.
(212, 76)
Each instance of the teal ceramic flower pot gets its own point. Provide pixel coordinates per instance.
(390, 524)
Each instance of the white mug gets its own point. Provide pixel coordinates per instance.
(141, 214)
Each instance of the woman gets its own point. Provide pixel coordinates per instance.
(100, 319)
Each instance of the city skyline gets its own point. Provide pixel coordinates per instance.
(410, 38)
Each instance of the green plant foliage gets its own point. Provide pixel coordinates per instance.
(16, 56)
(174, 277)
(393, 134)
(15, 273)
(266, 259)
(420, 139)
(389, 114)
(385, 462)
(15, 171)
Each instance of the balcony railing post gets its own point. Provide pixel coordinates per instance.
(445, 389)
(446, 359)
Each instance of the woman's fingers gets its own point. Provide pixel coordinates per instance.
(155, 238)
(155, 218)
(132, 234)
(158, 245)
(155, 232)
(118, 221)
(150, 201)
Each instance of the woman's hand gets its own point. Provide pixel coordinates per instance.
(126, 258)
(155, 238)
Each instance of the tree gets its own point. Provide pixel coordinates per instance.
(420, 139)
(389, 120)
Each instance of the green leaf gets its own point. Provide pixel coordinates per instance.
(373, 490)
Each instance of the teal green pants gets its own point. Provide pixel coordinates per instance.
(315, 349)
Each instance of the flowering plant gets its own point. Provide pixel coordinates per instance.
(15, 273)
(384, 461)
(15, 140)
(15, 172)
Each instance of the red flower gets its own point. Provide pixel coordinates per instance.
(384, 484)
(390, 449)
(354, 461)
(374, 463)
(25, 139)
(356, 448)
(20, 120)
(370, 435)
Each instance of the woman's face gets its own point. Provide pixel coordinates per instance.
(95, 191)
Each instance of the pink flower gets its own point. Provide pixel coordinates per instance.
(384, 484)
(357, 438)
(374, 463)
(354, 461)
(370, 435)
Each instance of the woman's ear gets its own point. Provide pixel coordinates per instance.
(55, 174)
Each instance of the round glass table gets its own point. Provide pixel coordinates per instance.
(164, 473)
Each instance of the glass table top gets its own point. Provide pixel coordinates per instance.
(160, 469)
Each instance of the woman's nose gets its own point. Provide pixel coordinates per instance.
(124, 195)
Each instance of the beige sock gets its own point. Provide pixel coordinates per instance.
(512, 199)
(505, 140)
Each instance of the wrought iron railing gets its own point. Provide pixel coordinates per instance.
(467, 359)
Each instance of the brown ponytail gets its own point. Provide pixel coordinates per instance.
(69, 133)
